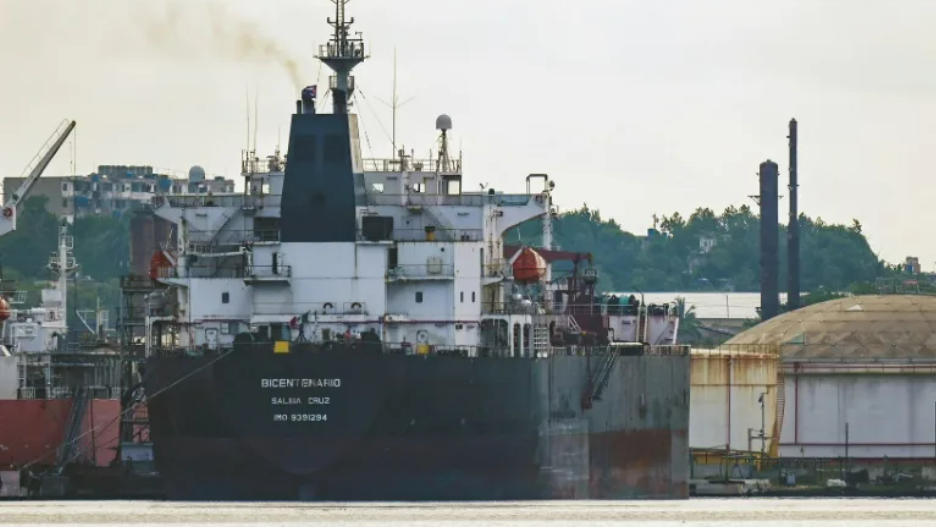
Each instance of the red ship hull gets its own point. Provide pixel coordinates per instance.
(33, 430)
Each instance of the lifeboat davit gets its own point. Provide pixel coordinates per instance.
(529, 267)
(5, 312)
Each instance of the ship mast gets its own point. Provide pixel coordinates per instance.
(342, 54)
(62, 263)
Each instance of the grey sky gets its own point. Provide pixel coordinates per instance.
(634, 107)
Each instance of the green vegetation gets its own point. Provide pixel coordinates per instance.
(673, 257)
(102, 248)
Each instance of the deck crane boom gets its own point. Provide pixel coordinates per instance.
(35, 169)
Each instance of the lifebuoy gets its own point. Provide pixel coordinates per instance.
(328, 305)
(355, 305)
(7, 212)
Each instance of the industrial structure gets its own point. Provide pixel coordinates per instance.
(735, 399)
(115, 189)
(858, 377)
(768, 199)
(793, 244)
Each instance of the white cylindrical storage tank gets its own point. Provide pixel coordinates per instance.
(733, 396)
(859, 377)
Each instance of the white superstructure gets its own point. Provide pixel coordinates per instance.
(34, 342)
(428, 269)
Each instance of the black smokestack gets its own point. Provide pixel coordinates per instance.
(769, 240)
(793, 256)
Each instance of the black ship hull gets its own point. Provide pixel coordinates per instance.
(344, 426)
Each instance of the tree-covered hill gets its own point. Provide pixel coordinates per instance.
(708, 251)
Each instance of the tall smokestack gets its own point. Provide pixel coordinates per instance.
(793, 247)
(769, 240)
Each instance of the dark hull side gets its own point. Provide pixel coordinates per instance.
(395, 427)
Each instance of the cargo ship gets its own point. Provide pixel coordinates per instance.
(357, 329)
(59, 388)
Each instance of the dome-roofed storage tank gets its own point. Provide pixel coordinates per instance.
(529, 267)
(865, 364)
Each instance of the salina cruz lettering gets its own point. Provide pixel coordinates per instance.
(300, 383)
(299, 400)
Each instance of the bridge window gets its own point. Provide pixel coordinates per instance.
(419, 297)
(472, 296)
(225, 297)
(462, 296)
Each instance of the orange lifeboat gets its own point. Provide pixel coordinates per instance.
(158, 262)
(4, 309)
(529, 267)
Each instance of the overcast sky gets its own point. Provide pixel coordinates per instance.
(634, 107)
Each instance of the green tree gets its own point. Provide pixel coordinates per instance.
(673, 257)
(689, 328)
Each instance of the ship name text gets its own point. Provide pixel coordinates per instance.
(298, 400)
(300, 383)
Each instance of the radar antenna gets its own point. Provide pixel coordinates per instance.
(342, 54)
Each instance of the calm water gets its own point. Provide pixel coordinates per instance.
(698, 513)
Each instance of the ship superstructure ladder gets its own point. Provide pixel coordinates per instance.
(73, 426)
(781, 404)
(13, 201)
(603, 376)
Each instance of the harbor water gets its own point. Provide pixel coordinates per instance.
(696, 513)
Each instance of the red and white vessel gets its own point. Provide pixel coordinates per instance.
(59, 394)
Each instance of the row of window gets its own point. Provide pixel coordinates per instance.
(419, 297)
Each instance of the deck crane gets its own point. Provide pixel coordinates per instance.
(35, 169)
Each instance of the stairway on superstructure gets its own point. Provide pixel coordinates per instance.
(69, 450)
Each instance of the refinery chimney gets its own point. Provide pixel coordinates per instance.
(793, 245)
(769, 240)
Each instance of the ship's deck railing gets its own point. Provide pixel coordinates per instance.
(422, 199)
(425, 270)
(310, 309)
(14, 297)
(596, 309)
(142, 283)
(213, 241)
(419, 235)
(350, 48)
(205, 200)
(410, 348)
(433, 165)
(411, 199)
(239, 271)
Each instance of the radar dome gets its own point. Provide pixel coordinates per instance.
(444, 123)
(196, 174)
